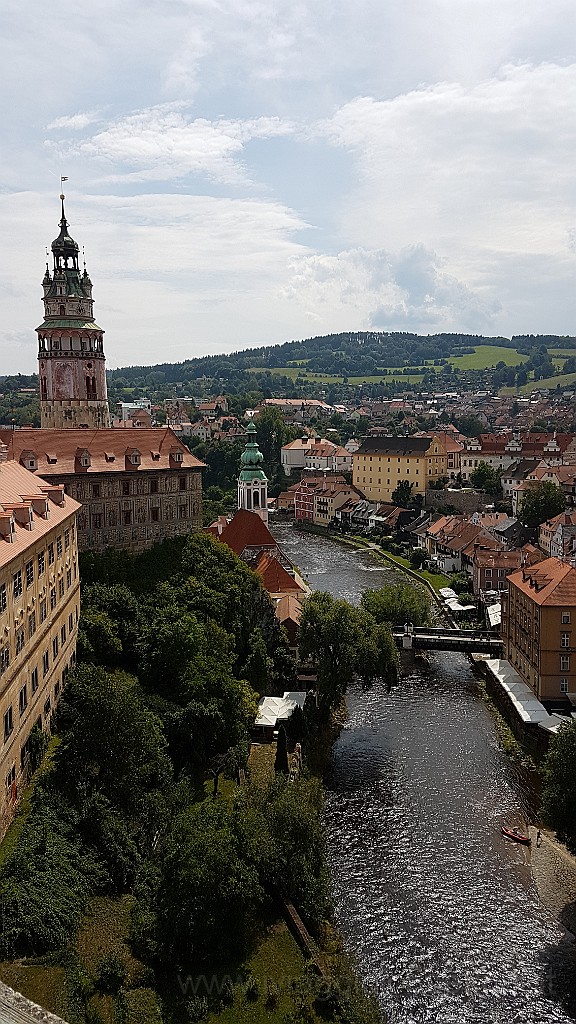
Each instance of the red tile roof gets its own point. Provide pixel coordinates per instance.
(275, 578)
(247, 530)
(107, 447)
(31, 506)
(551, 583)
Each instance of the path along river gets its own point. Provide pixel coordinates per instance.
(439, 910)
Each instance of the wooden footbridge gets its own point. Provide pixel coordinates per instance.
(469, 641)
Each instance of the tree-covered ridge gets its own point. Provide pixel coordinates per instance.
(349, 353)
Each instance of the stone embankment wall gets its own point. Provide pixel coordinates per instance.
(15, 1009)
(464, 501)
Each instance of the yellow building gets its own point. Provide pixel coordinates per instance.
(39, 609)
(381, 463)
(539, 627)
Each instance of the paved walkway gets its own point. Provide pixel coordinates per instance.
(15, 1009)
(554, 872)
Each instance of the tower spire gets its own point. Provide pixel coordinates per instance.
(70, 344)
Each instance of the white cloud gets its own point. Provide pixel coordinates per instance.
(161, 143)
(72, 122)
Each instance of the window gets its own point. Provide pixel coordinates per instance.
(96, 520)
(45, 663)
(66, 539)
(34, 680)
(29, 573)
(50, 554)
(23, 699)
(565, 618)
(63, 635)
(20, 640)
(95, 490)
(47, 707)
(8, 723)
(61, 587)
(41, 563)
(125, 487)
(52, 598)
(127, 517)
(59, 546)
(55, 648)
(563, 685)
(43, 610)
(565, 640)
(4, 658)
(155, 515)
(488, 573)
(68, 578)
(3, 601)
(153, 487)
(182, 483)
(70, 622)
(564, 663)
(182, 511)
(17, 584)
(11, 778)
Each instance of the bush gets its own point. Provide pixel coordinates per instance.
(197, 1009)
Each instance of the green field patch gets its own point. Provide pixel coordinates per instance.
(565, 380)
(485, 356)
(565, 352)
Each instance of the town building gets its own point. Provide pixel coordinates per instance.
(39, 609)
(137, 486)
(381, 463)
(71, 362)
(539, 629)
(557, 536)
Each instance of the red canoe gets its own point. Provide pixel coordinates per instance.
(516, 837)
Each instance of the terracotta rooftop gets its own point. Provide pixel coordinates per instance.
(58, 452)
(550, 582)
(289, 608)
(29, 508)
(275, 578)
(247, 530)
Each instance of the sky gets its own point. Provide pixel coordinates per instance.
(247, 172)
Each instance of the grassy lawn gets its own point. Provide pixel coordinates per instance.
(564, 380)
(485, 356)
(436, 580)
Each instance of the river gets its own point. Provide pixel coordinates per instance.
(439, 910)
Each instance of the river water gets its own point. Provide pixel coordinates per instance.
(439, 910)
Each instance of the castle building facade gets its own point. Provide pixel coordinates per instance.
(71, 361)
(137, 486)
(39, 609)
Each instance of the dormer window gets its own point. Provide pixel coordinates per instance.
(85, 459)
(135, 458)
(177, 456)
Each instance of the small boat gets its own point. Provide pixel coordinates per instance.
(514, 836)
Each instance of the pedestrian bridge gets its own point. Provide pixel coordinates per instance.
(429, 638)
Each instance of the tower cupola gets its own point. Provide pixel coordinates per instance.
(252, 481)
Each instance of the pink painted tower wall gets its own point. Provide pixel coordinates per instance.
(71, 361)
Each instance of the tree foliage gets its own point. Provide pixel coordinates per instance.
(397, 604)
(541, 501)
(486, 478)
(559, 793)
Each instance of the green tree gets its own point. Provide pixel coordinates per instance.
(397, 604)
(401, 495)
(486, 478)
(342, 641)
(541, 501)
(418, 558)
(559, 792)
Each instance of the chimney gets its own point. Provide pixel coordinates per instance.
(3, 452)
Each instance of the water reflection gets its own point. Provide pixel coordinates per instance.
(441, 912)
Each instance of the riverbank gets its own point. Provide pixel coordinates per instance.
(554, 873)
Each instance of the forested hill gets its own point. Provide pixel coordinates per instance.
(348, 354)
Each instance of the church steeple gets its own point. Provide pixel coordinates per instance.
(71, 357)
(252, 481)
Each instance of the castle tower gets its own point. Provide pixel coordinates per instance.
(71, 362)
(253, 482)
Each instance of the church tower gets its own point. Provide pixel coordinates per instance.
(253, 482)
(71, 362)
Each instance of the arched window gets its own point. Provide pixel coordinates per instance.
(43, 389)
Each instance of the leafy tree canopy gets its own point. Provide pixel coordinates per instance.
(541, 501)
(559, 793)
